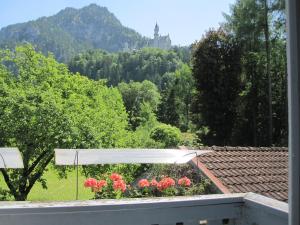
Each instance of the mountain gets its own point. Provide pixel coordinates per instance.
(73, 30)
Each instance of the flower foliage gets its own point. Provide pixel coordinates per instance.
(144, 183)
(153, 183)
(165, 183)
(90, 183)
(114, 186)
(184, 182)
(119, 185)
(115, 177)
(100, 185)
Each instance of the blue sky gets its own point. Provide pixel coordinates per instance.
(185, 20)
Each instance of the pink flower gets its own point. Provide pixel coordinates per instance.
(115, 177)
(119, 185)
(90, 182)
(184, 181)
(165, 183)
(144, 183)
(101, 183)
(153, 183)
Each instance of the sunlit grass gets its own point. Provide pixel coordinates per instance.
(58, 189)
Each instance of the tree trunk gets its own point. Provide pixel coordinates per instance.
(21, 197)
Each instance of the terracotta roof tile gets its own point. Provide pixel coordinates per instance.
(263, 170)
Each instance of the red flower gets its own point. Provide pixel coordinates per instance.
(90, 182)
(119, 185)
(165, 183)
(115, 177)
(144, 183)
(159, 187)
(153, 183)
(101, 183)
(185, 182)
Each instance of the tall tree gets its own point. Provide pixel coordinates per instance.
(259, 28)
(267, 47)
(177, 89)
(216, 69)
(168, 109)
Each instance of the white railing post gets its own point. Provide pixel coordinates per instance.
(293, 56)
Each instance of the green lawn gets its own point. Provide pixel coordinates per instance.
(58, 189)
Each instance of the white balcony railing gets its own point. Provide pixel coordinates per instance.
(233, 209)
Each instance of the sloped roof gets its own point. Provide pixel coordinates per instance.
(262, 170)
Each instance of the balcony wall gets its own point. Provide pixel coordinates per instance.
(233, 209)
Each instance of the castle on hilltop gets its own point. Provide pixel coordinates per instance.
(159, 41)
(162, 42)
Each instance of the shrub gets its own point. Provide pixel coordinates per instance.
(190, 139)
(168, 135)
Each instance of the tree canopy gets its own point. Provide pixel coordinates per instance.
(145, 64)
(43, 106)
(259, 27)
(135, 96)
(216, 70)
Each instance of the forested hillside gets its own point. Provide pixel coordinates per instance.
(72, 31)
(145, 64)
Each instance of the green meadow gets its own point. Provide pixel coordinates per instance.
(59, 189)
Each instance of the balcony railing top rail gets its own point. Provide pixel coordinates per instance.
(239, 209)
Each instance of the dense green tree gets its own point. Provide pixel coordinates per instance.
(216, 69)
(172, 77)
(177, 89)
(138, 96)
(43, 106)
(259, 28)
(168, 109)
(184, 53)
(185, 88)
(166, 134)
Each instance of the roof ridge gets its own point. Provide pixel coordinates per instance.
(242, 148)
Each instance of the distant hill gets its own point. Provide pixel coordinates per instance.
(74, 30)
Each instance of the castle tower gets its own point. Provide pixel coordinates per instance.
(156, 30)
(162, 42)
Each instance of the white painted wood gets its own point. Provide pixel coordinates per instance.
(115, 156)
(125, 212)
(240, 209)
(261, 210)
(191, 223)
(215, 222)
(10, 158)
